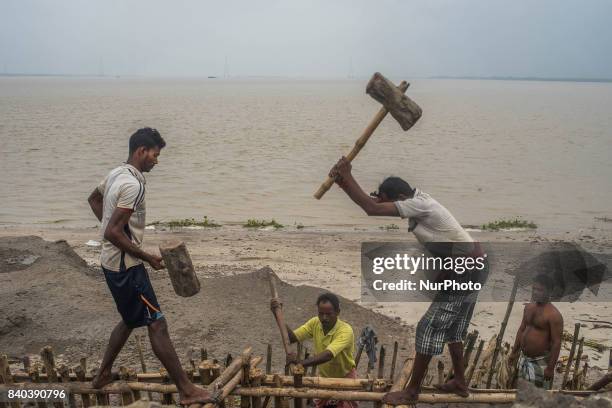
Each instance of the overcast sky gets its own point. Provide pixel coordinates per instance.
(308, 38)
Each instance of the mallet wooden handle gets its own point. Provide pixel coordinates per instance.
(403, 86)
(278, 315)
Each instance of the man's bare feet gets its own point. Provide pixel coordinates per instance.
(101, 379)
(404, 397)
(195, 396)
(453, 387)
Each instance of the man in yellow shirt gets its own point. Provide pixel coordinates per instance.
(334, 345)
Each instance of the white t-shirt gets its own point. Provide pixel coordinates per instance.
(434, 223)
(123, 187)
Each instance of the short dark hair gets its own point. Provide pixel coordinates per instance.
(392, 187)
(544, 280)
(331, 298)
(146, 137)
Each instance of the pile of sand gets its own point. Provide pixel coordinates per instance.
(50, 296)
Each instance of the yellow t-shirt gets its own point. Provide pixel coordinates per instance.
(340, 340)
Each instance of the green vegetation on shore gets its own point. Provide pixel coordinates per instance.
(252, 223)
(187, 222)
(507, 224)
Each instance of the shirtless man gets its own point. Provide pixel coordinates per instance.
(539, 337)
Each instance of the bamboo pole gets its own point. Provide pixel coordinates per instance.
(403, 379)
(6, 377)
(502, 330)
(424, 397)
(204, 368)
(298, 374)
(256, 375)
(320, 382)
(470, 349)
(472, 368)
(381, 362)
(34, 376)
(269, 359)
(64, 373)
(577, 363)
(221, 394)
(26, 363)
(570, 359)
(393, 361)
(126, 396)
(49, 363)
(440, 368)
(231, 370)
(143, 364)
(80, 374)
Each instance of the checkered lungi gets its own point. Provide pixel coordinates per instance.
(532, 369)
(446, 321)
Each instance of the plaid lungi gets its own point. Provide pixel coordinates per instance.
(446, 321)
(532, 369)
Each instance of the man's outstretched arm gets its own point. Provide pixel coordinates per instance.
(341, 173)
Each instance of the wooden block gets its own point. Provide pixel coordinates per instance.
(180, 268)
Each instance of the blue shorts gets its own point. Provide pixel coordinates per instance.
(134, 296)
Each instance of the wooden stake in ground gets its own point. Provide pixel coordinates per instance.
(470, 373)
(402, 379)
(392, 97)
(570, 359)
(393, 361)
(180, 268)
(502, 330)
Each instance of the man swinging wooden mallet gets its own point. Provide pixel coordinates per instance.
(447, 319)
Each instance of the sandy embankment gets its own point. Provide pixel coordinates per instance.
(222, 315)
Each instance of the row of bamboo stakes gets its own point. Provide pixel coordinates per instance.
(258, 388)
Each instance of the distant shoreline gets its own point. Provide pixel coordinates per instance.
(488, 78)
(537, 79)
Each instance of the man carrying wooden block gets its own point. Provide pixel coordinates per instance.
(447, 319)
(334, 344)
(119, 203)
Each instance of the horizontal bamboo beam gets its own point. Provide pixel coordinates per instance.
(322, 382)
(502, 397)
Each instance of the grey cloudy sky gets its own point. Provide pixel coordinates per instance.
(308, 38)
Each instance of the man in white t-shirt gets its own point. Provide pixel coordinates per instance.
(447, 319)
(119, 203)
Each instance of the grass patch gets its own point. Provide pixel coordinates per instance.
(389, 227)
(510, 223)
(252, 223)
(187, 222)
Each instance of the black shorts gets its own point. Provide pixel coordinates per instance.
(134, 296)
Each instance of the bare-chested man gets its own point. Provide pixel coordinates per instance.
(539, 337)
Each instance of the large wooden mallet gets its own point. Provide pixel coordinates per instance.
(278, 315)
(392, 97)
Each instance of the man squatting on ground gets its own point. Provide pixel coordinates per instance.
(119, 203)
(449, 315)
(334, 345)
(538, 338)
